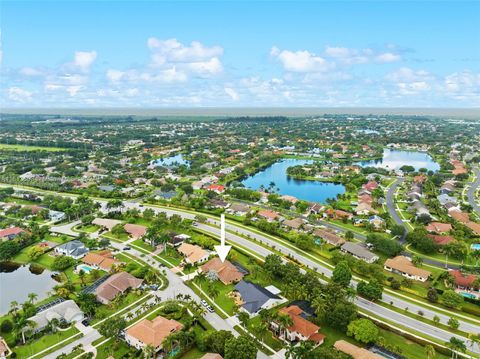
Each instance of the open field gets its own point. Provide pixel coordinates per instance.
(6, 147)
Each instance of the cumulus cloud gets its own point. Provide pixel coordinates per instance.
(18, 94)
(232, 93)
(171, 61)
(83, 60)
(300, 61)
(409, 81)
(350, 56)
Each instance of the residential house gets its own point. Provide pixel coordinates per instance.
(238, 209)
(288, 198)
(404, 266)
(441, 240)
(329, 237)
(254, 297)
(364, 208)
(193, 254)
(354, 351)
(376, 221)
(315, 208)
(217, 188)
(212, 356)
(227, 273)
(151, 332)
(10, 233)
(116, 284)
(135, 231)
(338, 214)
(359, 252)
(301, 329)
(296, 223)
(463, 281)
(178, 239)
(370, 186)
(217, 203)
(74, 249)
(4, 349)
(438, 227)
(270, 216)
(56, 216)
(103, 260)
(105, 223)
(66, 311)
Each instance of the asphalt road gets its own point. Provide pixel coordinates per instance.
(390, 201)
(375, 309)
(472, 190)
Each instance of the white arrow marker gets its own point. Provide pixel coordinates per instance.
(222, 250)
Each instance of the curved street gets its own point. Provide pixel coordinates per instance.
(472, 190)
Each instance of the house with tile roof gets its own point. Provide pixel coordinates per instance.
(192, 253)
(438, 227)
(10, 233)
(103, 260)
(151, 332)
(116, 284)
(329, 237)
(404, 266)
(462, 280)
(106, 223)
(354, 351)
(226, 271)
(301, 328)
(135, 231)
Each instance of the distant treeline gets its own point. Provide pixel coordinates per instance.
(254, 119)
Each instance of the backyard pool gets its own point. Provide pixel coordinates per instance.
(84, 267)
(468, 295)
(475, 246)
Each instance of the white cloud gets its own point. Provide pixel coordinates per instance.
(300, 61)
(462, 81)
(18, 94)
(212, 66)
(30, 71)
(171, 50)
(83, 60)
(406, 74)
(387, 57)
(232, 93)
(349, 56)
(115, 75)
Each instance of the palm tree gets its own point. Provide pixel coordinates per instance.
(474, 339)
(456, 345)
(430, 351)
(290, 352)
(81, 275)
(149, 352)
(449, 250)
(260, 330)
(283, 321)
(417, 261)
(14, 308)
(32, 297)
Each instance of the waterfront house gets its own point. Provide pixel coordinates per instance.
(74, 249)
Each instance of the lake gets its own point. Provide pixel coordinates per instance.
(17, 281)
(313, 191)
(170, 161)
(394, 159)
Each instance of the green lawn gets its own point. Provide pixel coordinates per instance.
(222, 299)
(45, 260)
(106, 349)
(47, 341)
(90, 228)
(267, 338)
(194, 353)
(6, 147)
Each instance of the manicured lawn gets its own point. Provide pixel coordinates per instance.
(45, 260)
(90, 228)
(106, 349)
(6, 147)
(222, 299)
(105, 310)
(194, 353)
(45, 342)
(267, 338)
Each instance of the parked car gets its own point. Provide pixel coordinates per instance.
(127, 248)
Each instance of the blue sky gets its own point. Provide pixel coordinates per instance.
(232, 53)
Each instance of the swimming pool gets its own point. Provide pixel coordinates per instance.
(84, 267)
(475, 246)
(468, 295)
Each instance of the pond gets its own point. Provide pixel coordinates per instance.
(394, 159)
(176, 160)
(17, 281)
(313, 191)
